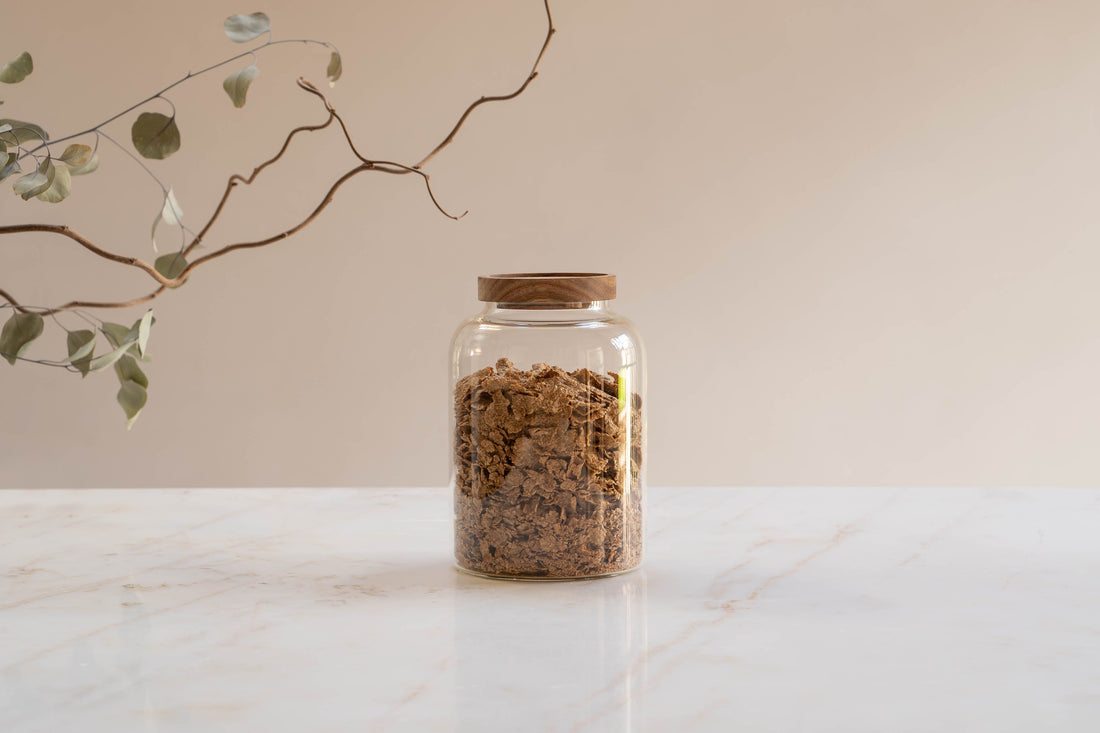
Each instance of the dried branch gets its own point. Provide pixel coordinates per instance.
(74, 304)
(383, 166)
(236, 178)
(82, 241)
(281, 235)
(365, 164)
(550, 30)
(15, 304)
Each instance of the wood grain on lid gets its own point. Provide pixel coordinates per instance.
(546, 287)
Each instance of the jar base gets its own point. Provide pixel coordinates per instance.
(543, 578)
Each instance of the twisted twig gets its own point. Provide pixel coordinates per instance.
(550, 30)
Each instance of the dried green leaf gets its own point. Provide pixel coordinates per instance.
(135, 338)
(155, 135)
(89, 167)
(18, 333)
(143, 326)
(116, 333)
(127, 369)
(11, 167)
(170, 265)
(35, 183)
(76, 155)
(132, 397)
(17, 69)
(236, 84)
(105, 360)
(335, 69)
(81, 345)
(31, 184)
(60, 187)
(170, 212)
(243, 28)
(23, 132)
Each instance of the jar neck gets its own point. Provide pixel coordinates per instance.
(596, 310)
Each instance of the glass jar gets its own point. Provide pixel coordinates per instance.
(549, 430)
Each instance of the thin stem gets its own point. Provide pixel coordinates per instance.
(123, 148)
(184, 232)
(44, 362)
(326, 44)
(88, 318)
(59, 323)
(173, 104)
(173, 85)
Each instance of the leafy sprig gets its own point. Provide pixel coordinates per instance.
(155, 136)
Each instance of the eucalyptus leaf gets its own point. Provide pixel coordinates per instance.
(35, 183)
(60, 187)
(243, 28)
(170, 212)
(132, 396)
(116, 334)
(144, 326)
(335, 69)
(18, 333)
(11, 167)
(155, 135)
(23, 132)
(135, 338)
(127, 369)
(141, 348)
(76, 155)
(17, 69)
(89, 167)
(236, 84)
(81, 345)
(170, 265)
(105, 360)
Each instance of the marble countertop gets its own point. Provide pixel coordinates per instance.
(884, 610)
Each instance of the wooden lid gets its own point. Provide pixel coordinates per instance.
(546, 287)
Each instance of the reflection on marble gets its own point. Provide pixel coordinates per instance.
(756, 610)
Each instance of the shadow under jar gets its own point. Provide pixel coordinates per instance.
(549, 430)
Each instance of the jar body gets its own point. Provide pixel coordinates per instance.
(549, 442)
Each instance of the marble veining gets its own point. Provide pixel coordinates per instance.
(825, 609)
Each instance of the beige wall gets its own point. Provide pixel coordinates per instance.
(860, 237)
